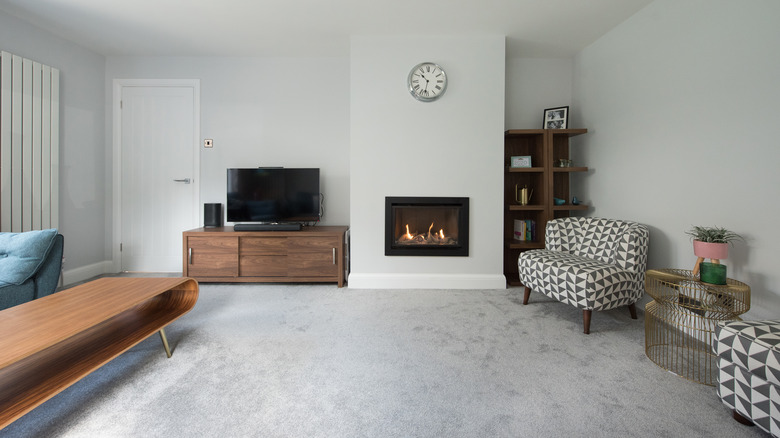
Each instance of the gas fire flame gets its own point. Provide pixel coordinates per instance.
(423, 239)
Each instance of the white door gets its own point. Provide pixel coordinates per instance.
(159, 197)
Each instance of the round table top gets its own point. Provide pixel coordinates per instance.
(679, 287)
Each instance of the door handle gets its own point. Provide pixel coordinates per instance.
(185, 180)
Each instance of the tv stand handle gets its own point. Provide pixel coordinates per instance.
(334, 256)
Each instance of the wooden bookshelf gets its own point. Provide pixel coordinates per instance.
(546, 147)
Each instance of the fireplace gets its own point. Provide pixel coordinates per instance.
(426, 226)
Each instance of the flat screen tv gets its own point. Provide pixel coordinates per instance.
(273, 195)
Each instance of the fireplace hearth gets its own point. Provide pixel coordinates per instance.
(426, 226)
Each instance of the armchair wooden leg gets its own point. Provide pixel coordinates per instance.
(526, 295)
(632, 310)
(586, 314)
(740, 419)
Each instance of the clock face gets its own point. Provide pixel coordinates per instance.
(427, 82)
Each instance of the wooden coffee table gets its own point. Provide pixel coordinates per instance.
(52, 342)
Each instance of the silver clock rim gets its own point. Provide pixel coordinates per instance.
(411, 89)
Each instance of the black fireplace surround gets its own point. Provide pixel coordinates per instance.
(426, 226)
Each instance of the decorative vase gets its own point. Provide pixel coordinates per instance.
(713, 273)
(709, 250)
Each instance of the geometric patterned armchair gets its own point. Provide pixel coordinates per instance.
(748, 354)
(590, 263)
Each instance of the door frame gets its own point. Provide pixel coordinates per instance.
(116, 254)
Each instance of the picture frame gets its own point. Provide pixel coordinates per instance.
(520, 161)
(556, 118)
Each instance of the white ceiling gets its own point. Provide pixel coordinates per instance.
(534, 28)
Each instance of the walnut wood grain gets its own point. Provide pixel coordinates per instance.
(50, 343)
(311, 264)
(263, 246)
(211, 257)
(546, 148)
(312, 244)
(313, 254)
(263, 266)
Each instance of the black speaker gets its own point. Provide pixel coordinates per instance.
(212, 215)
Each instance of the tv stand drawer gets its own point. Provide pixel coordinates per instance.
(263, 246)
(263, 266)
(312, 264)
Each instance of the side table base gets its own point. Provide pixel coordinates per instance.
(680, 342)
(680, 322)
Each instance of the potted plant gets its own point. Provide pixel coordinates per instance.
(712, 243)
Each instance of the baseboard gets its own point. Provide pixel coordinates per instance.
(83, 273)
(426, 281)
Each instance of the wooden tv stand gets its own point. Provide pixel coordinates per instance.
(221, 254)
(50, 343)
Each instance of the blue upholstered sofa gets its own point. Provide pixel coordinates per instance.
(30, 265)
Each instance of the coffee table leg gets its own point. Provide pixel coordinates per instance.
(165, 342)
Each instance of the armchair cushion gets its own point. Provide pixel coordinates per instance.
(22, 254)
(599, 238)
(580, 281)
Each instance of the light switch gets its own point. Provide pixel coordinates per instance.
(208, 143)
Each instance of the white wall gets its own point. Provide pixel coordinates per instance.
(533, 85)
(680, 101)
(289, 112)
(451, 147)
(82, 147)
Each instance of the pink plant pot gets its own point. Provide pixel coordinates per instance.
(709, 250)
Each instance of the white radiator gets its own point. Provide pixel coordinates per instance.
(29, 144)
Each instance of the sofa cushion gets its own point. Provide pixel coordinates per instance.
(752, 345)
(21, 254)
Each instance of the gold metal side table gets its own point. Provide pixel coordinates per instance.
(680, 323)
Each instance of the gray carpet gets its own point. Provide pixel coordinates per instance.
(317, 361)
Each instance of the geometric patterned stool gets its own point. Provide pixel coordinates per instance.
(749, 371)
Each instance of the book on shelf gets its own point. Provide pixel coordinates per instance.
(525, 230)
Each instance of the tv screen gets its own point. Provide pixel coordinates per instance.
(273, 195)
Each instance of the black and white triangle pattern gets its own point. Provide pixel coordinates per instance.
(589, 263)
(749, 370)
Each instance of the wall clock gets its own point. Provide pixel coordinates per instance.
(427, 82)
